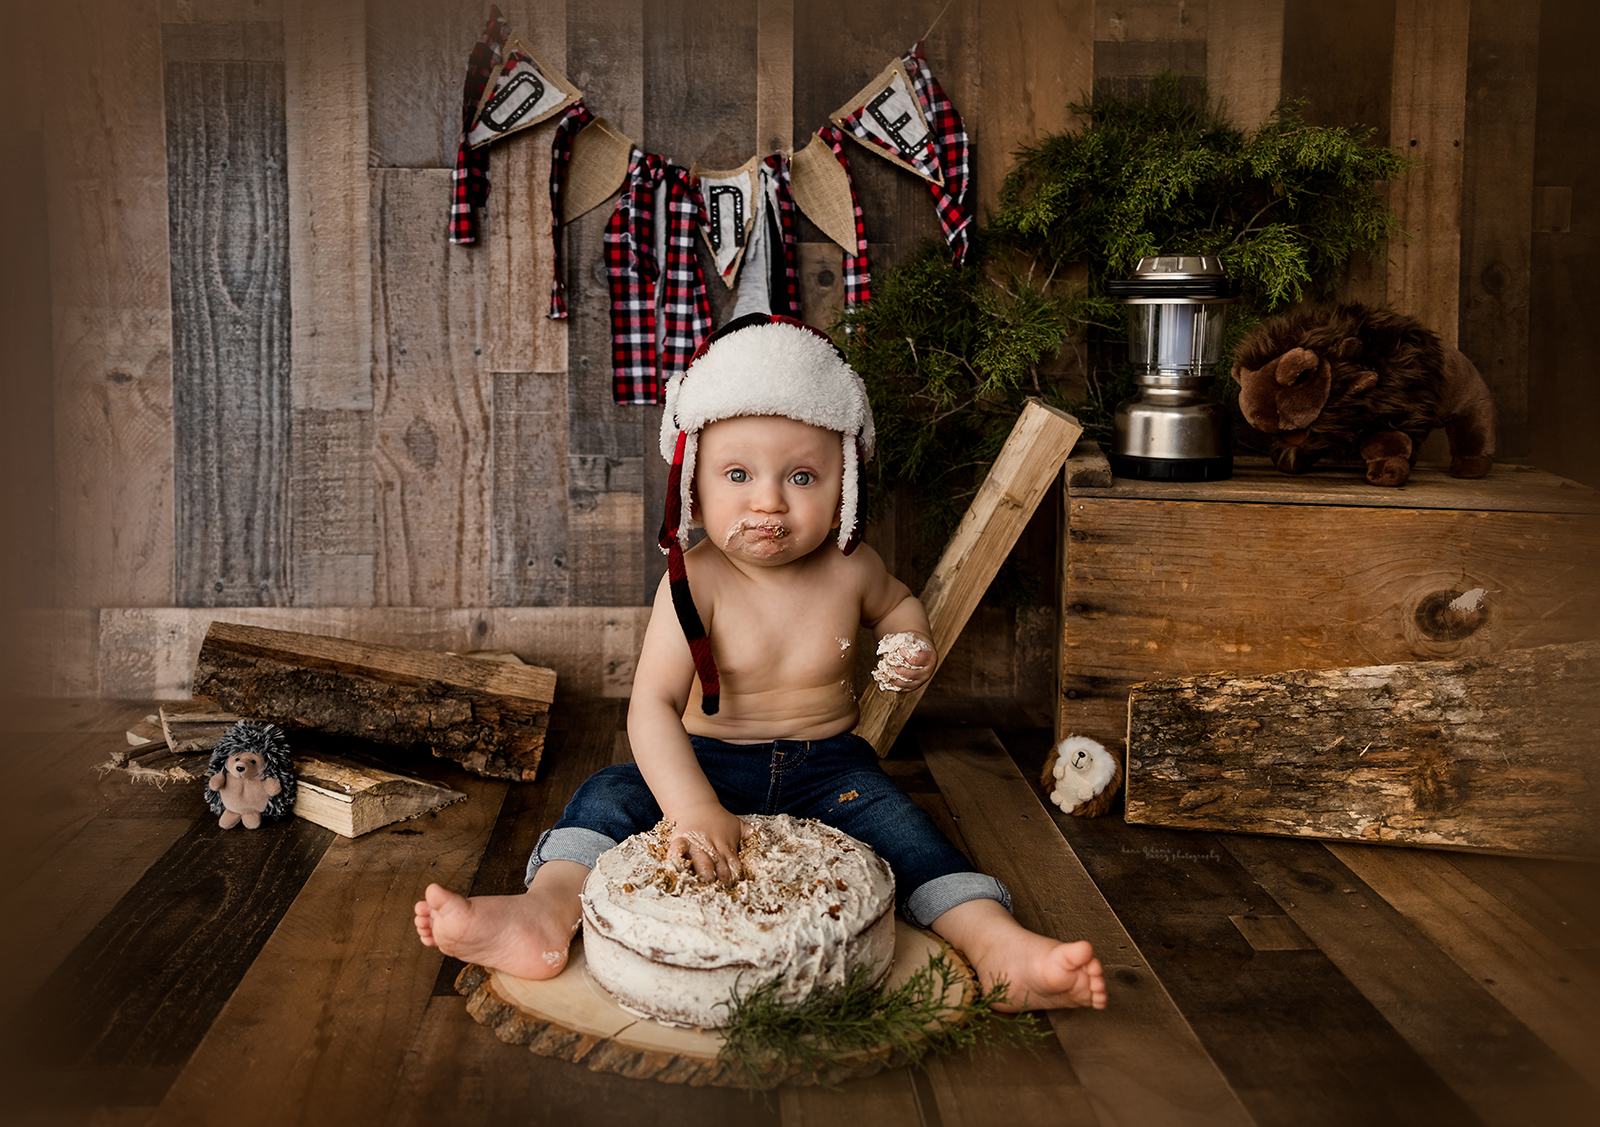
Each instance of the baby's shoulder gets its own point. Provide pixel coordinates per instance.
(863, 562)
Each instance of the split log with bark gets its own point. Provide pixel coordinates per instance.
(1499, 753)
(489, 716)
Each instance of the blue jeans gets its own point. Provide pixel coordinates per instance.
(836, 780)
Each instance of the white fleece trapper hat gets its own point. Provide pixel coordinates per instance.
(759, 364)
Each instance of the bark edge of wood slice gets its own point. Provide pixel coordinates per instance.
(570, 1018)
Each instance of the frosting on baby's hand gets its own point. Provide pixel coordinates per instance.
(897, 652)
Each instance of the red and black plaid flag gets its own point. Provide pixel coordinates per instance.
(639, 364)
(470, 183)
(683, 310)
(631, 267)
(576, 118)
(950, 145)
(783, 280)
(857, 270)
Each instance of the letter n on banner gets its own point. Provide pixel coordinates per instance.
(730, 214)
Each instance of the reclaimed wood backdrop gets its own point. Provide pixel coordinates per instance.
(248, 377)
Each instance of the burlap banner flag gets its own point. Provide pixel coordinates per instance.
(522, 91)
(821, 188)
(731, 205)
(887, 118)
(599, 166)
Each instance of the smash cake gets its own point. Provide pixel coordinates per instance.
(811, 903)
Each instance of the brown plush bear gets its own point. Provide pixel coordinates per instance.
(1362, 381)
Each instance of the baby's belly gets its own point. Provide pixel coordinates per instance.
(809, 713)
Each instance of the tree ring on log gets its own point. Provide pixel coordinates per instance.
(567, 1018)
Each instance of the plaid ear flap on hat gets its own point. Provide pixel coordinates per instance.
(694, 630)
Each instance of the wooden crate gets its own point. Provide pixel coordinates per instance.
(1267, 572)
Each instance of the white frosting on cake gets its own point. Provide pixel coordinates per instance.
(810, 904)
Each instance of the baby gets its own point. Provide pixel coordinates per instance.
(770, 427)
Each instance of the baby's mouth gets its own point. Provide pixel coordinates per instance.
(756, 529)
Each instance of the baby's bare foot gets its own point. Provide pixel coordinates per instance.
(1040, 973)
(526, 936)
(1045, 974)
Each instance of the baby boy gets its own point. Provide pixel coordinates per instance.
(766, 432)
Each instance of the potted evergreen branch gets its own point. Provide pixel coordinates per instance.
(949, 353)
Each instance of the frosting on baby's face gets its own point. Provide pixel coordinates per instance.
(767, 488)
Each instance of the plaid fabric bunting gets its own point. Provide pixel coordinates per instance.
(784, 275)
(950, 143)
(638, 368)
(632, 270)
(577, 116)
(857, 270)
(470, 181)
(683, 307)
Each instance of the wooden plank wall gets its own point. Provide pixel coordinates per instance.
(111, 311)
(228, 215)
(27, 426)
(274, 383)
(1563, 355)
(332, 559)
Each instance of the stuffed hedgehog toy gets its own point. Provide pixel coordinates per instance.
(1358, 381)
(251, 776)
(1082, 777)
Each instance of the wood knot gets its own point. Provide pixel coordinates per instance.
(1449, 616)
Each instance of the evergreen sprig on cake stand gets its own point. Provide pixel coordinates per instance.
(937, 1009)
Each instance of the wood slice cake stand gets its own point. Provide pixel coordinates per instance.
(571, 1018)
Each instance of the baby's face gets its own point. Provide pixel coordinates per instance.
(768, 487)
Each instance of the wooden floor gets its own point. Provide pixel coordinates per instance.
(160, 970)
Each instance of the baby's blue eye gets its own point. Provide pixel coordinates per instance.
(804, 477)
(739, 476)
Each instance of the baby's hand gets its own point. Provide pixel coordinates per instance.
(707, 838)
(905, 662)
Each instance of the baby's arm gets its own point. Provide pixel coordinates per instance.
(907, 656)
(706, 834)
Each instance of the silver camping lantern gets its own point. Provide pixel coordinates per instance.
(1171, 430)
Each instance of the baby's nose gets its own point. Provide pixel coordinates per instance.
(768, 498)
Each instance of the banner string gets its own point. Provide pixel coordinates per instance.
(937, 18)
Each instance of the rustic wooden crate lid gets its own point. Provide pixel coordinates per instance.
(1522, 489)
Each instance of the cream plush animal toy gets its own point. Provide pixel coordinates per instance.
(1082, 777)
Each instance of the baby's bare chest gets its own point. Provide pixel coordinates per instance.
(801, 639)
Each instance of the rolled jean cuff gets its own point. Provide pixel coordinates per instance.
(933, 899)
(568, 843)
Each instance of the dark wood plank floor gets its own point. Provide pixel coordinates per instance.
(160, 970)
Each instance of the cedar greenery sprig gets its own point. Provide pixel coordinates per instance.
(764, 1037)
(1284, 207)
(950, 353)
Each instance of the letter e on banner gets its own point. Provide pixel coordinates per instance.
(887, 118)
